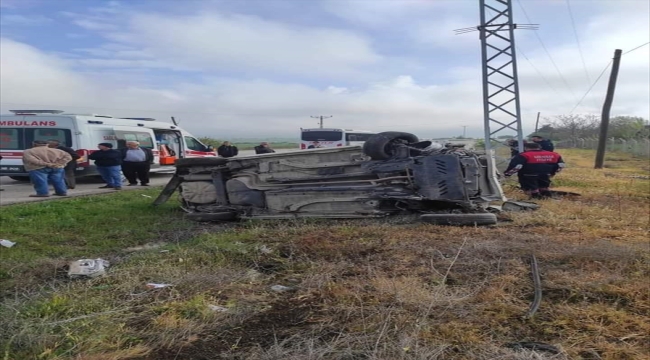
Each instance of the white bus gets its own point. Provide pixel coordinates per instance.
(83, 132)
(325, 138)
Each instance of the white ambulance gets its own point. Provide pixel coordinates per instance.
(83, 132)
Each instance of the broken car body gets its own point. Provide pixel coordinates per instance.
(392, 174)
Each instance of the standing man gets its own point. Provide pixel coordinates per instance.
(227, 150)
(70, 180)
(44, 165)
(109, 165)
(263, 148)
(535, 168)
(545, 144)
(136, 163)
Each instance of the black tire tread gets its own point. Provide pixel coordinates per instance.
(376, 146)
(460, 219)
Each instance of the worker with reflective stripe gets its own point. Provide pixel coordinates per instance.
(535, 168)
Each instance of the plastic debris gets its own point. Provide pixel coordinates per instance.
(281, 288)
(217, 308)
(157, 286)
(519, 206)
(90, 268)
(264, 249)
(147, 196)
(7, 243)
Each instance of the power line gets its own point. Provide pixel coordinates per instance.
(547, 52)
(591, 87)
(601, 75)
(575, 32)
(638, 47)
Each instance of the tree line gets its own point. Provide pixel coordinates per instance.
(565, 127)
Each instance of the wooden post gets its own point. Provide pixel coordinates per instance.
(607, 107)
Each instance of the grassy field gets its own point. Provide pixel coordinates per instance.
(359, 289)
(251, 144)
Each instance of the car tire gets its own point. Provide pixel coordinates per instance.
(381, 146)
(201, 161)
(212, 217)
(460, 219)
(20, 178)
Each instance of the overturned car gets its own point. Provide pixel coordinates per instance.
(393, 173)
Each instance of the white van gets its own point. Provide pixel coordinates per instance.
(83, 132)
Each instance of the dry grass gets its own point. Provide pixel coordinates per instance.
(367, 289)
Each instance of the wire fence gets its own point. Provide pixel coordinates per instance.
(636, 147)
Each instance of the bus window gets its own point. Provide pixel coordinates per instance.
(322, 136)
(357, 137)
(11, 139)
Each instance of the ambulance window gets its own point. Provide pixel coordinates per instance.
(145, 140)
(194, 144)
(63, 135)
(10, 139)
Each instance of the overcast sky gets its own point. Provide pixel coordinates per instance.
(255, 68)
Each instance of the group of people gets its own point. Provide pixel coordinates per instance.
(535, 166)
(50, 162)
(228, 150)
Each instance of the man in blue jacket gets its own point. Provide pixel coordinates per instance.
(109, 165)
(546, 144)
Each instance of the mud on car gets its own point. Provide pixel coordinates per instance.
(393, 173)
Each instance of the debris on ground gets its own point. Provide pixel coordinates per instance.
(90, 268)
(147, 196)
(281, 288)
(217, 308)
(519, 206)
(157, 286)
(7, 243)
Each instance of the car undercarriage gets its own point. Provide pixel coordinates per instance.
(393, 173)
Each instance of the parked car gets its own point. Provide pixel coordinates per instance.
(393, 173)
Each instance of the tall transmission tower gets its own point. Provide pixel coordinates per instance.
(501, 107)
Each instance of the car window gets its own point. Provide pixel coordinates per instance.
(194, 144)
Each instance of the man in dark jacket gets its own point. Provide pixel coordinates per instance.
(70, 180)
(263, 148)
(535, 168)
(136, 163)
(227, 150)
(545, 144)
(109, 165)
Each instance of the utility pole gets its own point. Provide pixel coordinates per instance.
(607, 107)
(464, 131)
(537, 122)
(321, 119)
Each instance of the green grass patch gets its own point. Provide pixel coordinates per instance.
(83, 227)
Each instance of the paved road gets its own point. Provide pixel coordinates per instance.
(18, 191)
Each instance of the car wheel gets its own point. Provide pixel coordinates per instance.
(201, 161)
(382, 146)
(460, 219)
(20, 178)
(210, 217)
